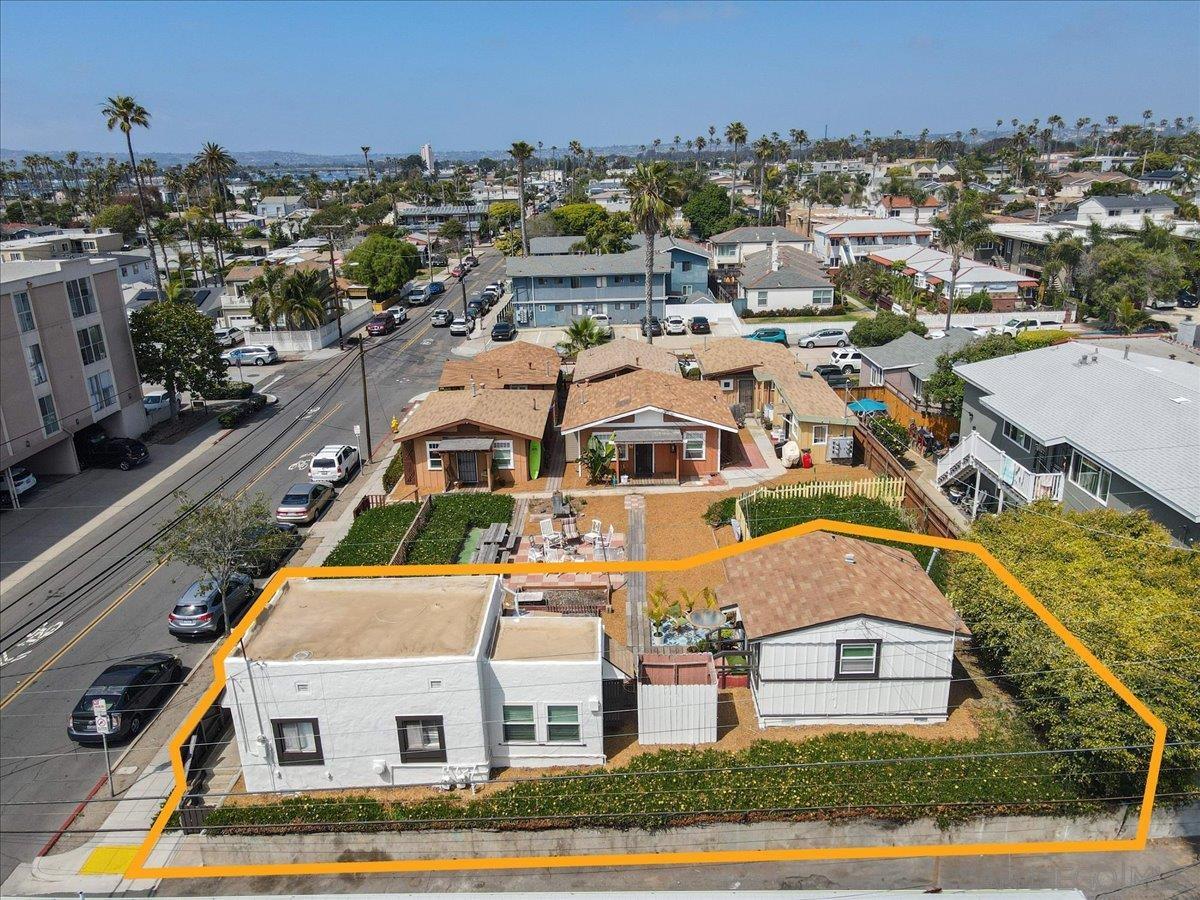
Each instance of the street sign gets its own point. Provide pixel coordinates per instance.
(99, 706)
(103, 725)
(357, 430)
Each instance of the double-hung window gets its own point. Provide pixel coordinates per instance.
(49, 414)
(562, 724)
(502, 454)
(820, 434)
(857, 659)
(101, 390)
(432, 457)
(761, 298)
(24, 311)
(37, 365)
(693, 445)
(519, 724)
(79, 293)
(91, 344)
(297, 742)
(422, 739)
(1090, 477)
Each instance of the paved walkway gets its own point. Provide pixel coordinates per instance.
(925, 472)
(637, 624)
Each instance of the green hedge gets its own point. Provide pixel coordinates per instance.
(1035, 340)
(394, 472)
(374, 536)
(720, 512)
(451, 520)
(231, 418)
(785, 780)
(891, 434)
(230, 390)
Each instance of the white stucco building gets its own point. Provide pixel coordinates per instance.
(422, 680)
(843, 242)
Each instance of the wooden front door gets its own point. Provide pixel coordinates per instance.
(643, 460)
(746, 393)
(468, 467)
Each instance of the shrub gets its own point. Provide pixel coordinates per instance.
(891, 434)
(451, 520)
(234, 417)
(230, 390)
(394, 472)
(720, 512)
(980, 301)
(374, 536)
(796, 312)
(885, 326)
(1035, 340)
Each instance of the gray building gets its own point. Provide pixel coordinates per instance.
(905, 364)
(553, 291)
(1090, 427)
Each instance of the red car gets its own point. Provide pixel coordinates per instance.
(381, 323)
(459, 271)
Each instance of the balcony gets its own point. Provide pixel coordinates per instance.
(975, 452)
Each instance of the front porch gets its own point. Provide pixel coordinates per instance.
(648, 456)
(467, 463)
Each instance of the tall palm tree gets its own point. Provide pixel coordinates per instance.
(366, 152)
(961, 230)
(763, 149)
(808, 193)
(654, 192)
(521, 152)
(126, 113)
(701, 142)
(305, 298)
(217, 165)
(735, 134)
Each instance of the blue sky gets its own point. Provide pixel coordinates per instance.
(327, 78)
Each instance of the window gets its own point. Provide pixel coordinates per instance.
(693, 445)
(89, 245)
(37, 365)
(616, 279)
(1090, 477)
(857, 659)
(502, 454)
(24, 311)
(562, 724)
(574, 281)
(1017, 436)
(432, 456)
(686, 266)
(91, 344)
(727, 384)
(820, 434)
(297, 742)
(49, 414)
(421, 739)
(761, 298)
(101, 390)
(519, 724)
(601, 281)
(124, 271)
(79, 293)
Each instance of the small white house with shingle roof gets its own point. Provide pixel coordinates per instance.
(782, 277)
(730, 248)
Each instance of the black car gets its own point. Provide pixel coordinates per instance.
(133, 690)
(699, 325)
(96, 448)
(276, 550)
(471, 261)
(441, 318)
(651, 327)
(476, 308)
(504, 331)
(828, 370)
(1187, 300)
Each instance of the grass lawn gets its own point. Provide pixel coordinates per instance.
(776, 320)
(374, 536)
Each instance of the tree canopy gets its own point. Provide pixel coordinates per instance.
(947, 388)
(383, 264)
(885, 326)
(176, 347)
(705, 209)
(119, 217)
(577, 218)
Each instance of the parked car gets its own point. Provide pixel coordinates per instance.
(769, 335)
(603, 322)
(1016, 326)
(699, 325)
(826, 337)
(303, 503)
(399, 313)
(462, 325)
(156, 400)
(504, 331)
(440, 318)
(418, 296)
(471, 261)
(476, 307)
(333, 463)
(262, 562)
(489, 297)
(651, 326)
(22, 481)
(936, 334)
(1163, 303)
(833, 375)
(95, 448)
(498, 287)
(675, 325)
(848, 359)
(251, 354)
(1187, 300)
(459, 271)
(380, 324)
(132, 690)
(439, 259)
(200, 611)
(435, 288)
(227, 337)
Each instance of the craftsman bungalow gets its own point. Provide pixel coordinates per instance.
(621, 356)
(516, 366)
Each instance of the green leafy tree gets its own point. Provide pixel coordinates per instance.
(383, 264)
(946, 387)
(277, 237)
(578, 218)
(1127, 270)
(176, 347)
(504, 213)
(252, 232)
(610, 235)
(598, 459)
(705, 209)
(654, 192)
(374, 212)
(119, 217)
(883, 327)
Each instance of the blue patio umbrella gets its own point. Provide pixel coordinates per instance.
(861, 407)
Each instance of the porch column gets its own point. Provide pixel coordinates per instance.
(616, 459)
(487, 461)
(678, 459)
(975, 499)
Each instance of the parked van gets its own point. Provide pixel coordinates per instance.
(1016, 326)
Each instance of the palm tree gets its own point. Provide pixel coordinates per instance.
(582, 334)
(305, 298)
(701, 143)
(366, 152)
(522, 152)
(654, 192)
(762, 152)
(266, 295)
(126, 113)
(808, 193)
(217, 164)
(961, 230)
(736, 134)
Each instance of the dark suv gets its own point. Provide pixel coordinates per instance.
(651, 327)
(96, 448)
(381, 323)
(132, 690)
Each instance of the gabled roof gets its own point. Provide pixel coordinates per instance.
(720, 357)
(754, 235)
(290, 199)
(1139, 417)
(553, 245)
(563, 265)
(841, 227)
(623, 353)
(797, 269)
(1132, 201)
(910, 351)
(807, 581)
(599, 401)
(895, 201)
(521, 413)
(517, 363)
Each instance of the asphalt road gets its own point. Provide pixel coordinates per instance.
(106, 597)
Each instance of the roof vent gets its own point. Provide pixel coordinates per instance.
(301, 655)
(849, 559)
(806, 374)
(1181, 399)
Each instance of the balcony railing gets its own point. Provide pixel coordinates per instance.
(975, 451)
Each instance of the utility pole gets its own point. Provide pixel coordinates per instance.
(362, 371)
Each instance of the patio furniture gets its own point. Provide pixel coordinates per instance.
(595, 534)
(536, 552)
(570, 530)
(558, 506)
(606, 540)
(554, 555)
(550, 535)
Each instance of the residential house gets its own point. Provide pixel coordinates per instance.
(1124, 210)
(730, 248)
(477, 438)
(892, 206)
(133, 268)
(517, 366)
(929, 270)
(1092, 427)
(70, 363)
(782, 277)
(1073, 185)
(549, 291)
(666, 429)
(555, 245)
(621, 356)
(688, 279)
(904, 365)
(844, 242)
(428, 218)
(858, 634)
(767, 381)
(1163, 180)
(278, 207)
(446, 690)
(1020, 247)
(17, 231)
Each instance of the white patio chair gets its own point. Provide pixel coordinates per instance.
(595, 534)
(570, 530)
(549, 535)
(554, 554)
(606, 540)
(536, 553)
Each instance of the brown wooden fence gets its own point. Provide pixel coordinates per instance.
(418, 522)
(942, 426)
(930, 518)
(369, 501)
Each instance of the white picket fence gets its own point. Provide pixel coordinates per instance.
(887, 488)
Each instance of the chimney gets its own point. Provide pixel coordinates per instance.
(775, 255)
(472, 385)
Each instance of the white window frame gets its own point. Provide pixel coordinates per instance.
(577, 737)
(102, 391)
(533, 722)
(823, 431)
(858, 645)
(727, 384)
(512, 456)
(432, 459)
(688, 452)
(1103, 476)
(1015, 435)
(761, 298)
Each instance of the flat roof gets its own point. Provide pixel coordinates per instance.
(547, 639)
(372, 618)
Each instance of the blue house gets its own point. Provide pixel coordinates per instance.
(554, 290)
(689, 269)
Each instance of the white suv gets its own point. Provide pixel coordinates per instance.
(333, 463)
(848, 359)
(675, 325)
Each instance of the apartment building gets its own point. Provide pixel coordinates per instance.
(62, 245)
(844, 242)
(75, 364)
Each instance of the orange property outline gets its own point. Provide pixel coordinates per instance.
(138, 869)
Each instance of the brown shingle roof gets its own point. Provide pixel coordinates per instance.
(623, 353)
(512, 412)
(597, 401)
(808, 395)
(806, 581)
(741, 354)
(518, 363)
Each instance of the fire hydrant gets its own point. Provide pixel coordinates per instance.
(395, 424)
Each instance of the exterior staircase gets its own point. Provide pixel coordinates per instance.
(1017, 482)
